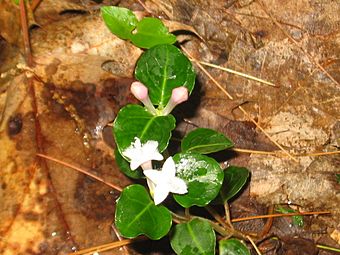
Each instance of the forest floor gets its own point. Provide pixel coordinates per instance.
(59, 94)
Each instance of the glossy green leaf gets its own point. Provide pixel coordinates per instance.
(203, 176)
(234, 179)
(163, 68)
(136, 214)
(296, 220)
(194, 237)
(120, 21)
(233, 247)
(135, 121)
(151, 32)
(124, 166)
(205, 140)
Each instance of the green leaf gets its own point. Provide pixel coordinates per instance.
(120, 21)
(203, 176)
(296, 220)
(135, 121)
(234, 179)
(194, 237)
(233, 247)
(204, 141)
(124, 166)
(136, 214)
(163, 68)
(151, 32)
(337, 178)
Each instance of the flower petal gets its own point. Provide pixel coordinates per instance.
(178, 186)
(154, 175)
(169, 168)
(160, 194)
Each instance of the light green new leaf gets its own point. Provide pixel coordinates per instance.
(120, 21)
(151, 32)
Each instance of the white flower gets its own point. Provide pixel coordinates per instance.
(161, 183)
(142, 154)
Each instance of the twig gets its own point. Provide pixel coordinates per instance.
(279, 215)
(25, 33)
(254, 151)
(217, 217)
(81, 171)
(324, 247)
(239, 107)
(269, 222)
(254, 245)
(310, 57)
(35, 4)
(119, 238)
(227, 214)
(106, 247)
(238, 73)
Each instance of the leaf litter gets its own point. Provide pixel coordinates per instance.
(55, 210)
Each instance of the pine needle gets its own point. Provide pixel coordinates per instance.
(250, 77)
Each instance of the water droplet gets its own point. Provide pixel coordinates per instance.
(53, 233)
(74, 248)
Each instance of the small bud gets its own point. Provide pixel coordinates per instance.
(140, 91)
(178, 95)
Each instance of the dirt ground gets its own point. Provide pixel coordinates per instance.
(286, 133)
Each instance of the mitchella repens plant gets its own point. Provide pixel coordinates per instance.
(165, 78)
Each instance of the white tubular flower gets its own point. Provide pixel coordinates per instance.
(140, 91)
(178, 95)
(142, 154)
(161, 183)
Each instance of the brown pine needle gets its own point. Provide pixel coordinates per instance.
(81, 171)
(106, 247)
(254, 245)
(275, 153)
(240, 107)
(254, 151)
(314, 154)
(250, 77)
(279, 215)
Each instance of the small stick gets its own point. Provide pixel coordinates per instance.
(250, 77)
(279, 215)
(35, 4)
(106, 247)
(254, 245)
(81, 171)
(324, 247)
(119, 238)
(25, 33)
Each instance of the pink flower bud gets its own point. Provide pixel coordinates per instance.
(178, 95)
(140, 91)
